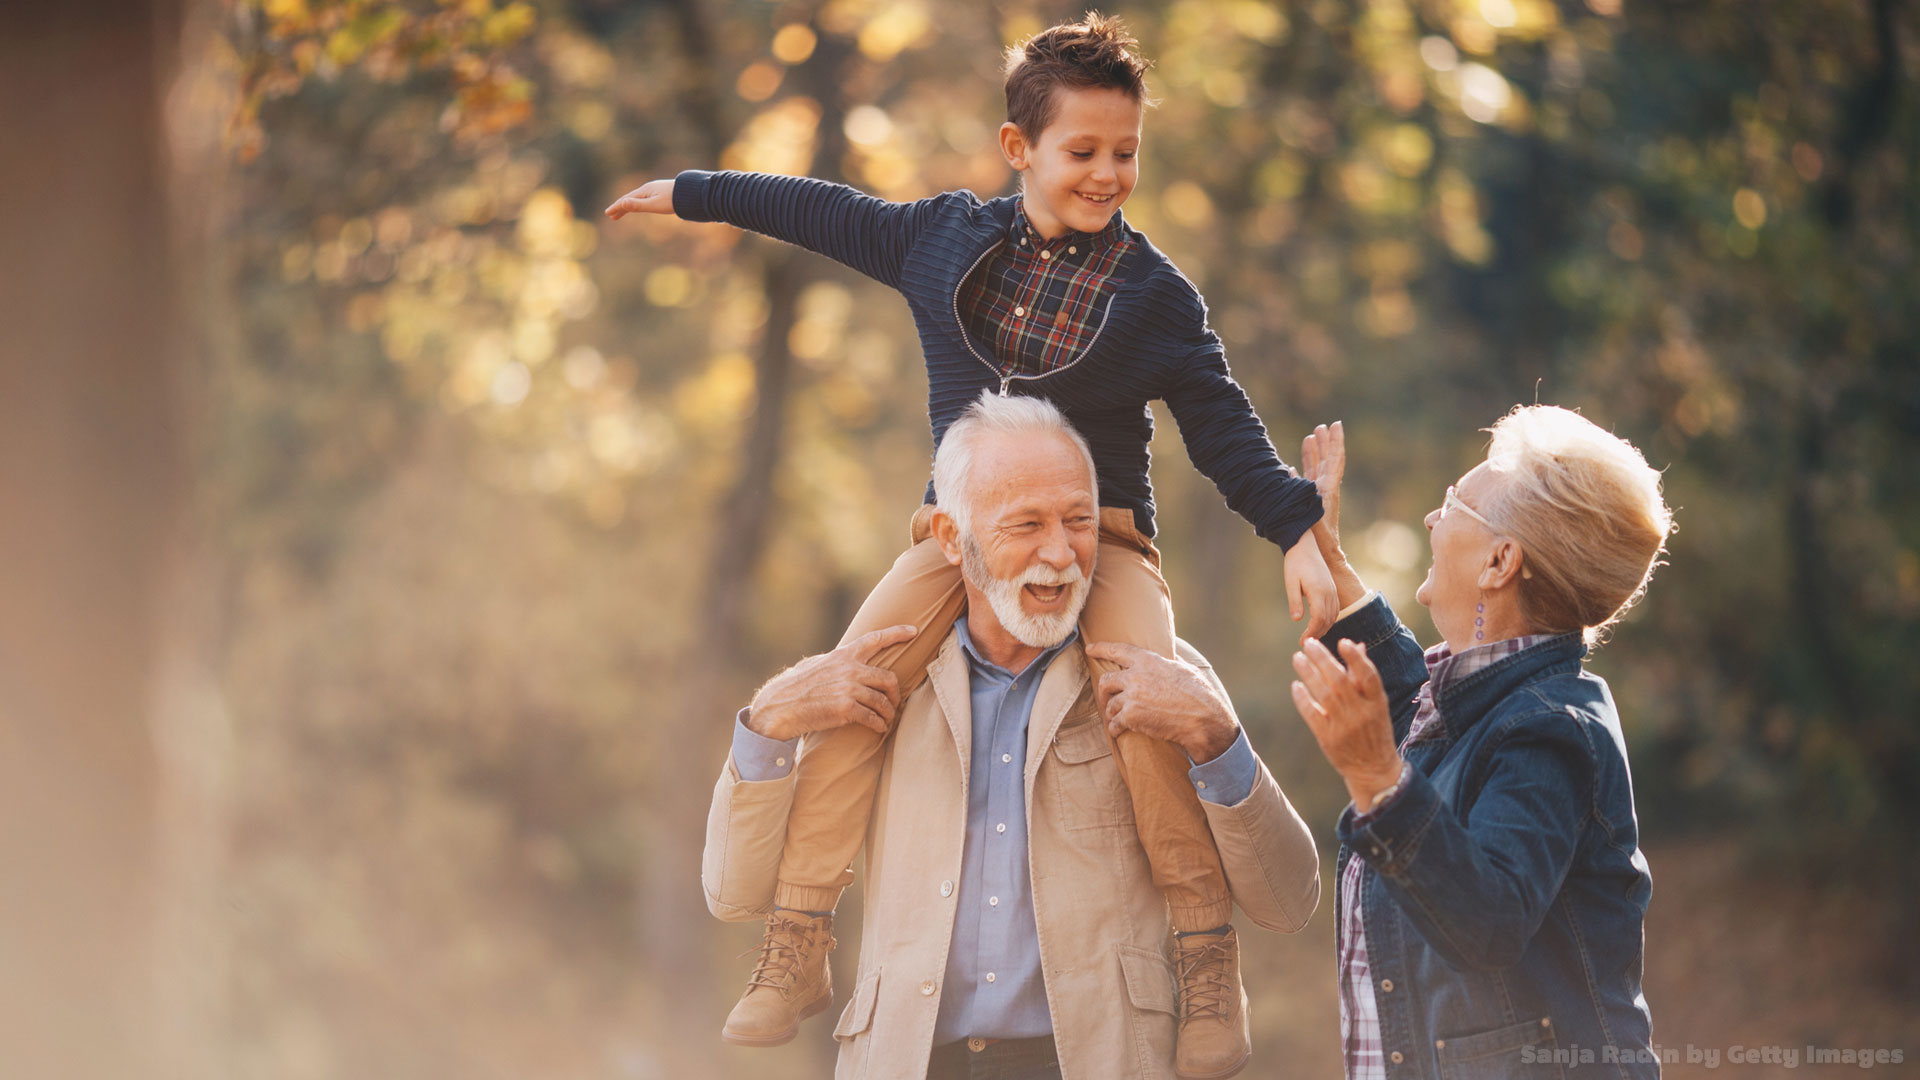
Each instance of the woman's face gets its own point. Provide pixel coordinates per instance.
(1461, 546)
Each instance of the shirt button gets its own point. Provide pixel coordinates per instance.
(1395, 1057)
(989, 976)
(993, 901)
(1073, 250)
(1018, 311)
(926, 988)
(1386, 986)
(1004, 758)
(780, 761)
(946, 888)
(1046, 255)
(1002, 827)
(1202, 784)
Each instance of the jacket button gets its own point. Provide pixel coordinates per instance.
(926, 988)
(1386, 986)
(946, 888)
(1395, 1057)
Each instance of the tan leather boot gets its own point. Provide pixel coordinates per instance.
(790, 983)
(1215, 1037)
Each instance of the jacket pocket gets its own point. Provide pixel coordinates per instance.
(1092, 794)
(1523, 1051)
(1150, 1022)
(858, 1015)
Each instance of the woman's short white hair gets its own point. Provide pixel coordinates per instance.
(993, 413)
(1587, 511)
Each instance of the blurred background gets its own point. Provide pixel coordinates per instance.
(389, 539)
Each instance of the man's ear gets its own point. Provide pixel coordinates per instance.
(1014, 146)
(1506, 561)
(946, 533)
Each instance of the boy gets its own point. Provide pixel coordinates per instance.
(1048, 293)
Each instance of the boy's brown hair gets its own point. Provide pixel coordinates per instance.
(1096, 53)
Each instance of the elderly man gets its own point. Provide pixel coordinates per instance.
(1012, 928)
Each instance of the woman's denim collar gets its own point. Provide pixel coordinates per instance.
(1464, 701)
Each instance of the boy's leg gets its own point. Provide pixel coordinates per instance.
(836, 775)
(1129, 602)
(839, 770)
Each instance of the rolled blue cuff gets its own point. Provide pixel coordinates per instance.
(758, 758)
(1228, 779)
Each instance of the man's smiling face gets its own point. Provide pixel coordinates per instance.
(1034, 530)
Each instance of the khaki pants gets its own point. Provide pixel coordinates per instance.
(839, 770)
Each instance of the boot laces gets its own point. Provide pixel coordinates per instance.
(781, 952)
(1203, 975)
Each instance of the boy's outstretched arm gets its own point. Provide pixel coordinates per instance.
(848, 226)
(1227, 442)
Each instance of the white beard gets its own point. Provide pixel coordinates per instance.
(1003, 595)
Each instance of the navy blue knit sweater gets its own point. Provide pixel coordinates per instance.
(1153, 341)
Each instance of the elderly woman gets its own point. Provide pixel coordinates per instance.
(1491, 886)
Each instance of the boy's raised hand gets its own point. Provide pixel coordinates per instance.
(1310, 585)
(652, 197)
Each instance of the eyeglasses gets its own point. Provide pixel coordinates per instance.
(1453, 503)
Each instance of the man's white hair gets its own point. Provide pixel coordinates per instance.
(994, 414)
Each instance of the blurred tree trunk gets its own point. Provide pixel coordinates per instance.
(724, 663)
(93, 473)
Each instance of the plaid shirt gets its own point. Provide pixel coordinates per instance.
(1037, 302)
(1359, 1014)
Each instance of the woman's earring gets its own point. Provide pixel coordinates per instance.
(1479, 621)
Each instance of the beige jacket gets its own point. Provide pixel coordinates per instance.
(1103, 926)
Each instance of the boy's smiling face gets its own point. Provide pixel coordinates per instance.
(1083, 165)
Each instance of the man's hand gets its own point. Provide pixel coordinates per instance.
(1346, 708)
(1167, 699)
(1310, 585)
(652, 197)
(831, 690)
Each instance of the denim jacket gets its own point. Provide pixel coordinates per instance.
(1504, 891)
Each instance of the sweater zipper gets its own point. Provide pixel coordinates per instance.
(1005, 377)
(966, 338)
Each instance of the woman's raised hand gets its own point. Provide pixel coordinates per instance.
(1323, 460)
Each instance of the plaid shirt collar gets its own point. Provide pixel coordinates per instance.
(1027, 240)
(1446, 667)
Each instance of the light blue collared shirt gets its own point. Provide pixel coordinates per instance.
(994, 986)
